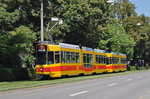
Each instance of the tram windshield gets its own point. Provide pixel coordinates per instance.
(41, 58)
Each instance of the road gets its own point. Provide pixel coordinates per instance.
(130, 86)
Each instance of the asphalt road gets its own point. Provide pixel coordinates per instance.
(131, 86)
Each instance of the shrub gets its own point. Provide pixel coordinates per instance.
(13, 74)
(132, 68)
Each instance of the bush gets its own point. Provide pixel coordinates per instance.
(14, 74)
(142, 67)
(132, 68)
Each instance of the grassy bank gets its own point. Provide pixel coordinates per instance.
(15, 85)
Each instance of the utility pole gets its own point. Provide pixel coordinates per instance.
(42, 33)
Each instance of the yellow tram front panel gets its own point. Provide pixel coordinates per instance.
(53, 65)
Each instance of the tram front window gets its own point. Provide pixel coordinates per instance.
(51, 57)
(41, 58)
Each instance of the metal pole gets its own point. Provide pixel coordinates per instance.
(42, 33)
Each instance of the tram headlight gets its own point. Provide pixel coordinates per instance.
(41, 69)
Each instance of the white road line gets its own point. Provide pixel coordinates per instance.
(139, 76)
(111, 84)
(78, 93)
(129, 79)
(146, 74)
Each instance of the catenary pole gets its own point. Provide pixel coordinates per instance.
(42, 33)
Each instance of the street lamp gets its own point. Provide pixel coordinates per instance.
(138, 24)
(110, 1)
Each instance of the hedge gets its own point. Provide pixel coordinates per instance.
(137, 68)
(15, 74)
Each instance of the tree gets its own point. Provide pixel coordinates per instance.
(18, 51)
(117, 40)
(84, 21)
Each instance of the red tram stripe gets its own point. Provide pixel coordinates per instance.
(73, 68)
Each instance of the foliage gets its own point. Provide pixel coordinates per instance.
(16, 36)
(92, 23)
(19, 45)
(124, 11)
(117, 40)
(84, 21)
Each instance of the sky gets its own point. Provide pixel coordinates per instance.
(142, 6)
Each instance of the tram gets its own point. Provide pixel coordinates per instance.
(70, 60)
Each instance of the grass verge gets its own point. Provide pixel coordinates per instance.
(16, 85)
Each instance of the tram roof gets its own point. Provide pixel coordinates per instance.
(70, 46)
(99, 51)
(121, 54)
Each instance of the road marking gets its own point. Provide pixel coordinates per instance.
(146, 74)
(129, 79)
(111, 84)
(139, 76)
(79, 93)
(149, 91)
(141, 97)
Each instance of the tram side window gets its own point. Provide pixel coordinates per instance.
(100, 59)
(115, 60)
(118, 60)
(77, 58)
(57, 60)
(123, 60)
(110, 60)
(84, 58)
(73, 57)
(87, 60)
(62, 57)
(50, 57)
(97, 58)
(68, 57)
(91, 58)
(107, 60)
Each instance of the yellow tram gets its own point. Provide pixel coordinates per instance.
(69, 60)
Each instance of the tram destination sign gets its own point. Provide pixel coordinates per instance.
(42, 48)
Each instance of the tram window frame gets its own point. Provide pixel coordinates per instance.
(57, 57)
(102, 59)
(105, 60)
(50, 57)
(91, 58)
(77, 58)
(68, 57)
(73, 57)
(43, 59)
(63, 57)
(87, 60)
(97, 59)
(110, 60)
(84, 58)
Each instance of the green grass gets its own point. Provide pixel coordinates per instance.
(16, 85)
